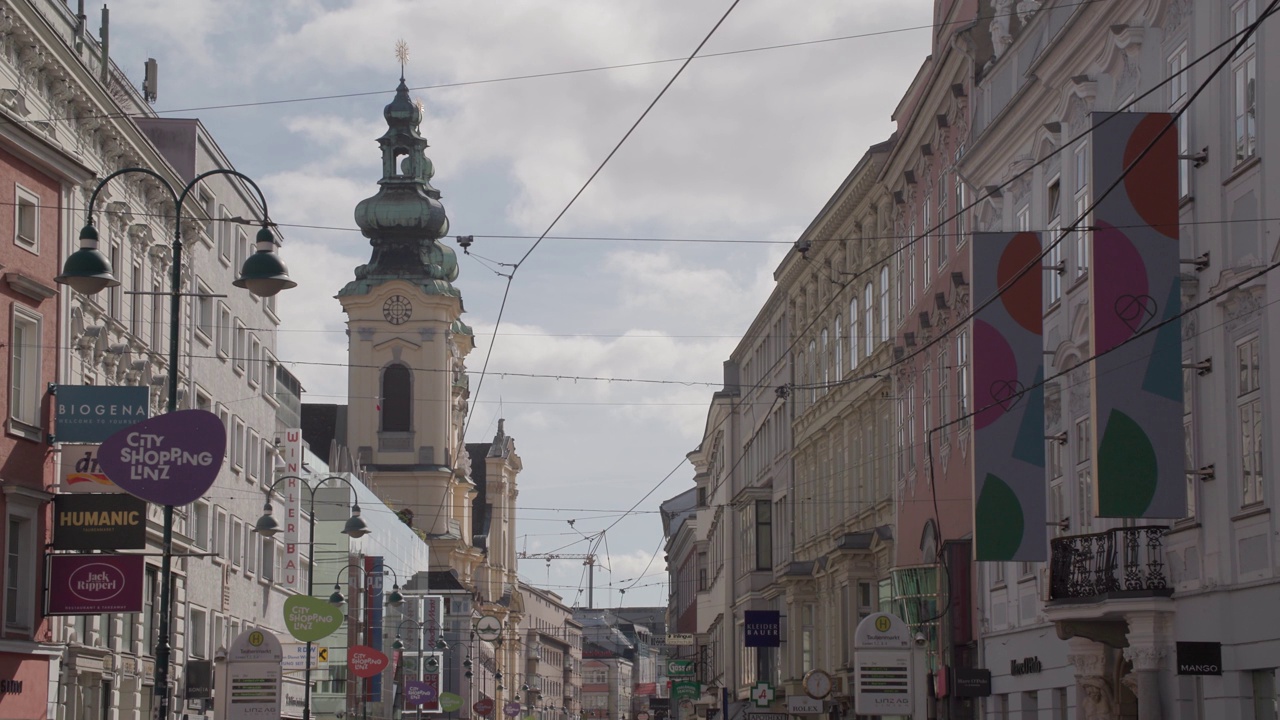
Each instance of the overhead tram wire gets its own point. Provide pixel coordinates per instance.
(514, 78)
(506, 293)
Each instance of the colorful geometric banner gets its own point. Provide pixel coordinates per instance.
(1008, 372)
(1137, 379)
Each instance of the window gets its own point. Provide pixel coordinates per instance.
(926, 394)
(1263, 684)
(219, 539)
(397, 399)
(703, 578)
(962, 373)
(1179, 75)
(926, 242)
(812, 372)
(242, 250)
(223, 231)
(1189, 436)
(255, 361)
(237, 538)
(944, 393)
(839, 347)
(115, 294)
(823, 360)
(237, 444)
(204, 313)
(1082, 207)
(911, 270)
(270, 366)
(1054, 267)
(962, 202)
(199, 528)
(764, 535)
(807, 638)
(20, 566)
(24, 373)
(157, 316)
(241, 348)
(997, 573)
(197, 633)
(1249, 409)
(1024, 218)
(252, 454)
(224, 331)
(1244, 79)
(150, 619)
(26, 219)
(884, 304)
(853, 333)
(942, 222)
(250, 549)
(909, 426)
(869, 317)
(137, 301)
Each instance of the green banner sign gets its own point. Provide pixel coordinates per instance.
(679, 668)
(309, 619)
(685, 690)
(450, 702)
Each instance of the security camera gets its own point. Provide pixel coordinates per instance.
(920, 639)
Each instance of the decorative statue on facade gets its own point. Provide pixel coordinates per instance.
(1097, 699)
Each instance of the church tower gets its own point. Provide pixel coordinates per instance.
(407, 382)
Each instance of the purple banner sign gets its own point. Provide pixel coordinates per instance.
(92, 584)
(419, 692)
(171, 459)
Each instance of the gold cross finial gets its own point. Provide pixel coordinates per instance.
(402, 54)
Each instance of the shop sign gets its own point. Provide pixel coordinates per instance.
(295, 656)
(309, 619)
(972, 682)
(364, 661)
(803, 705)
(81, 472)
(686, 690)
(1199, 658)
(762, 628)
(417, 692)
(1026, 666)
(93, 584)
(10, 687)
(92, 413)
(679, 668)
(99, 522)
(199, 680)
(678, 639)
(171, 459)
(450, 702)
(884, 677)
(483, 707)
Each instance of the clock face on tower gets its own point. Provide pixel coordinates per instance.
(397, 309)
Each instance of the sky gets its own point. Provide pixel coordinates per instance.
(652, 274)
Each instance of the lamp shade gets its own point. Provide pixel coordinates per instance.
(336, 598)
(267, 525)
(263, 273)
(87, 270)
(356, 526)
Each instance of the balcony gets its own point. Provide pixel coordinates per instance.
(1125, 562)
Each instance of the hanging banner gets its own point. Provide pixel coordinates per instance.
(93, 413)
(171, 459)
(373, 581)
(290, 444)
(81, 473)
(93, 584)
(1139, 448)
(1008, 376)
(99, 522)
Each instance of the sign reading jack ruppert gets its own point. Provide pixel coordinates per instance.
(91, 413)
(92, 584)
(171, 459)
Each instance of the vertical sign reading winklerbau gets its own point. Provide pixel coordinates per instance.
(1139, 457)
(1008, 388)
(290, 443)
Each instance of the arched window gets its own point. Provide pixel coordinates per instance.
(825, 361)
(869, 309)
(853, 333)
(839, 348)
(397, 399)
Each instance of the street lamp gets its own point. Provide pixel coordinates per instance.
(88, 271)
(267, 526)
(394, 598)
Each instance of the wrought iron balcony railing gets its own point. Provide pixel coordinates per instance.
(1124, 562)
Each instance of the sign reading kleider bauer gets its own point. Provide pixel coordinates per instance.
(884, 676)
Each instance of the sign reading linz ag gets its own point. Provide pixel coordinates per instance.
(99, 522)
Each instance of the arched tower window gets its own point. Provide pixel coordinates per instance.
(397, 399)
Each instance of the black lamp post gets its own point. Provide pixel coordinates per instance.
(267, 526)
(88, 271)
(440, 645)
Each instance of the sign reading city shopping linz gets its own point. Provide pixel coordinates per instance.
(93, 413)
(763, 628)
